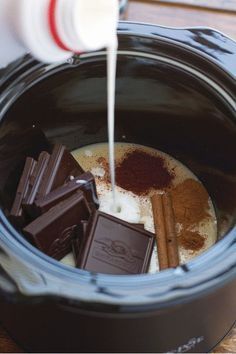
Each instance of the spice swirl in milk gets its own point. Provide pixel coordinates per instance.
(195, 216)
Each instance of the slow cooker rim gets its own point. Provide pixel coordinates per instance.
(28, 60)
(176, 27)
(10, 93)
(163, 59)
(32, 64)
(99, 278)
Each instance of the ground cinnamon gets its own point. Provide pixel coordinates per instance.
(190, 203)
(191, 240)
(191, 206)
(140, 171)
(104, 163)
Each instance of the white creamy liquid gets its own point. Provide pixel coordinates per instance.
(138, 209)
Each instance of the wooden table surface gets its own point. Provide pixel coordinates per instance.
(180, 15)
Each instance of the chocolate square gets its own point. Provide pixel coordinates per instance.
(52, 232)
(51, 172)
(80, 238)
(85, 182)
(61, 166)
(114, 246)
(35, 180)
(17, 216)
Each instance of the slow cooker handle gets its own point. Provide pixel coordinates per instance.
(21, 282)
(214, 44)
(19, 278)
(210, 43)
(22, 279)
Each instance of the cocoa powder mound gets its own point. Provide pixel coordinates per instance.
(190, 203)
(191, 240)
(139, 172)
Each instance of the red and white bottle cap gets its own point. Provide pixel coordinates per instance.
(53, 30)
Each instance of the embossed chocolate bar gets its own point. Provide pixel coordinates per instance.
(80, 235)
(16, 214)
(114, 246)
(85, 182)
(52, 232)
(61, 166)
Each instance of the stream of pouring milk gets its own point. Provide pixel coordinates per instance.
(111, 88)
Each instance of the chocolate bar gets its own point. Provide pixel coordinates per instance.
(16, 214)
(80, 238)
(114, 246)
(52, 232)
(85, 182)
(61, 166)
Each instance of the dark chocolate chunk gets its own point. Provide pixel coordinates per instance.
(51, 172)
(61, 166)
(141, 226)
(52, 232)
(16, 214)
(35, 180)
(79, 238)
(114, 246)
(84, 182)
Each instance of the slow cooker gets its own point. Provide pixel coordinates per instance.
(175, 92)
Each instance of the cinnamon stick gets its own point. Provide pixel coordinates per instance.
(159, 222)
(172, 245)
(164, 222)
